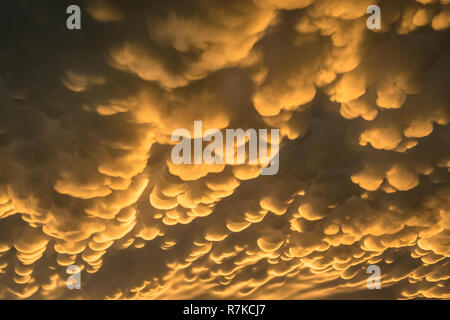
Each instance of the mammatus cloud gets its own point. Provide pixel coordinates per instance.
(86, 176)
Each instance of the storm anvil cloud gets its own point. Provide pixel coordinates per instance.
(86, 176)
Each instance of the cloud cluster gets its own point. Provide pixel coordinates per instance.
(86, 176)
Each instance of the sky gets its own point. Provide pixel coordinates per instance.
(87, 178)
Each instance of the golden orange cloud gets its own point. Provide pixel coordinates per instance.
(86, 176)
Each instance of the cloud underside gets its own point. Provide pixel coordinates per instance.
(86, 176)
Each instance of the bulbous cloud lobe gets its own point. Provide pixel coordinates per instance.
(86, 176)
